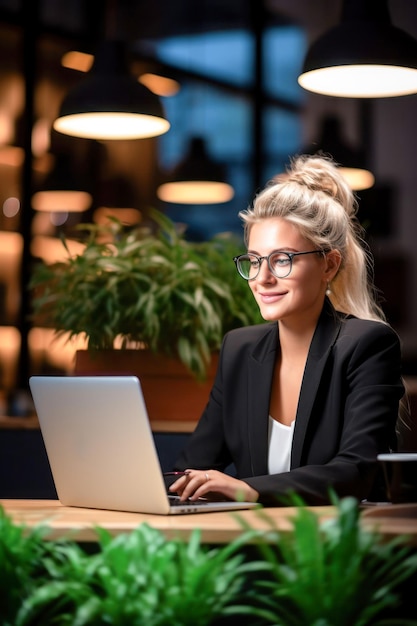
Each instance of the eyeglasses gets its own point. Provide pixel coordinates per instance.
(279, 263)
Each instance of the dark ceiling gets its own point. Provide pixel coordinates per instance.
(161, 18)
(136, 20)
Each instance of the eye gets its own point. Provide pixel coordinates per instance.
(280, 259)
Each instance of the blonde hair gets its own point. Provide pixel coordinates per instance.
(315, 197)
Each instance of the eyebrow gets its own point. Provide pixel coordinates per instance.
(288, 249)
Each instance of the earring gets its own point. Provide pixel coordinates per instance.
(328, 290)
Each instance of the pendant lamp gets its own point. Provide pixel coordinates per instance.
(350, 160)
(110, 103)
(197, 179)
(364, 56)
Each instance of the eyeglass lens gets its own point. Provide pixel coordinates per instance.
(279, 263)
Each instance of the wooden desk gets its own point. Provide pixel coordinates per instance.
(216, 528)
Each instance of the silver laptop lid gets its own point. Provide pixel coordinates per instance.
(99, 442)
(100, 445)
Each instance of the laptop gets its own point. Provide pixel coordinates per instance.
(101, 448)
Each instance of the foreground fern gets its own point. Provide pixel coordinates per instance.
(331, 573)
(138, 578)
(22, 556)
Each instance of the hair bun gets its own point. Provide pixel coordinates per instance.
(320, 173)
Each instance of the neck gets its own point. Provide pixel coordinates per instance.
(294, 343)
(296, 333)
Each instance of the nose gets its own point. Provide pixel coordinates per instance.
(265, 274)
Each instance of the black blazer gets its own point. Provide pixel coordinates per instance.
(346, 414)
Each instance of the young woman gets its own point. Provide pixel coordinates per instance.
(304, 403)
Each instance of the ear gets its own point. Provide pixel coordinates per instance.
(332, 259)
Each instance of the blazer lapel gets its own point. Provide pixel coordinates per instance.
(260, 371)
(325, 335)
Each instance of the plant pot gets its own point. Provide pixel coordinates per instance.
(171, 393)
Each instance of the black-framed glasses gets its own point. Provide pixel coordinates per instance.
(279, 263)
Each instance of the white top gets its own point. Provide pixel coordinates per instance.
(279, 446)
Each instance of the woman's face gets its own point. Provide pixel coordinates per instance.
(298, 297)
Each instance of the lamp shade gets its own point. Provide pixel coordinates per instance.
(365, 56)
(197, 179)
(350, 160)
(110, 103)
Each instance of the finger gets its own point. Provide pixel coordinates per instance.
(179, 484)
(197, 486)
(182, 483)
(189, 488)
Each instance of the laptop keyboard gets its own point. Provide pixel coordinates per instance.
(175, 501)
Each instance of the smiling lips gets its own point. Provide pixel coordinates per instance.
(270, 297)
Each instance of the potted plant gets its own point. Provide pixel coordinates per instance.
(147, 288)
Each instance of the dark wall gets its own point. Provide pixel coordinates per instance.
(24, 467)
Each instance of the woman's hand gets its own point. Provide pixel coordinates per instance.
(213, 485)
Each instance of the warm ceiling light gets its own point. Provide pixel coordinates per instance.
(110, 103)
(196, 180)
(55, 200)
(61, 191)
(365, 56)
(6, 128)
(12, 156)
(10, 341)
(11, 245)
(52, 249)
(358, 178)
(195, 192)
(76, 60)
(41, 137)
(351, 161)
(160, 85)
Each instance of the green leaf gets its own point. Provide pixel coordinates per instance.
(150, 286)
